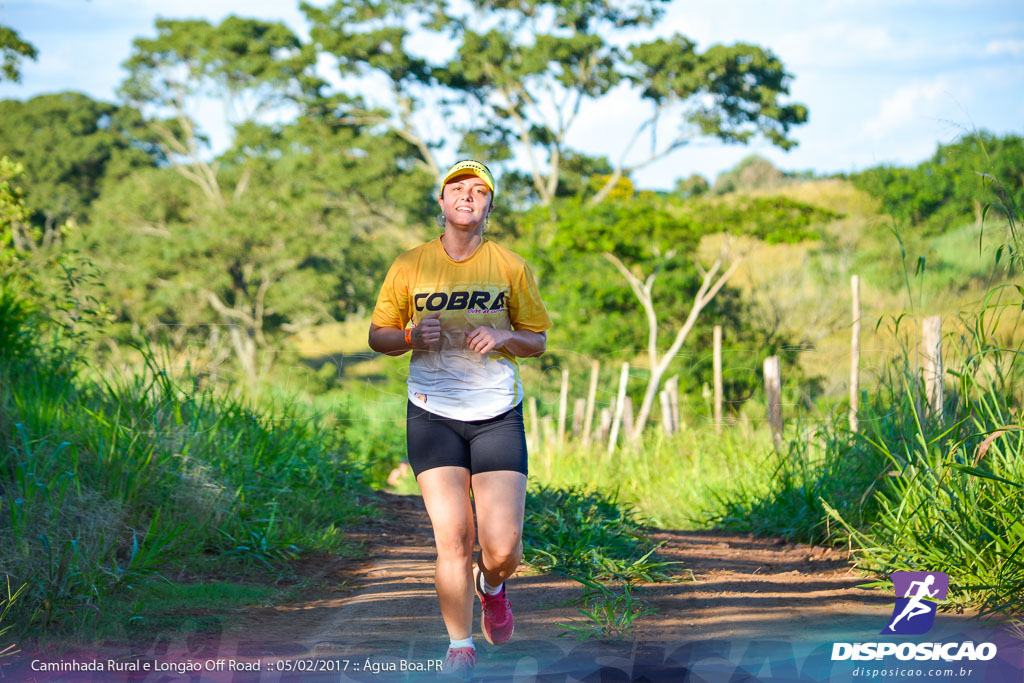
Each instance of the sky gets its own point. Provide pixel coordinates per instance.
(885, 81)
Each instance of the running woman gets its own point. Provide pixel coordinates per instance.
(474, 308)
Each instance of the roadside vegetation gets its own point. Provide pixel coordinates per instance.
(113, 487)
(917, 488)
(186, 391)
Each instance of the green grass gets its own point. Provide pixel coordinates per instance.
(915, 488)
(953, 499)
(107, 487)
(6, 603)
(607, 613)
(587, 534)
(786, 496)
(912, 490)
(672, 480)
(373, 432)
(110, 486)
(111, 482)
(602, 544)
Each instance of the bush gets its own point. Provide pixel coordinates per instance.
(943, 191)
(106, 486)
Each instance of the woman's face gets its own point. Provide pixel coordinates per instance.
(465, 202)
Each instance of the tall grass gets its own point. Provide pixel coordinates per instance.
(602, 544)
(955, 499)
(917, 489)
(112, 483)
(673, 480)
(952, 495)
(587, 534)
(105, 487)
(912, 490)
(7, 603)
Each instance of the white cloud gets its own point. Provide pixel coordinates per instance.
(908, 105)
(1008, 46)
(838, 43)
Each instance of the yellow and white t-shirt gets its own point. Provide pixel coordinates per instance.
(493, 287)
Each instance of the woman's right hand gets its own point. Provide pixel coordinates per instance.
(428, 332)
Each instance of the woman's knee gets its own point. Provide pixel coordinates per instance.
(503, 556)
(455, 543)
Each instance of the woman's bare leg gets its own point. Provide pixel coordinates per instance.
(446, 494)
(500, 499)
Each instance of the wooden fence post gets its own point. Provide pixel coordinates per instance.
(717, 365)
(620, 404)
(931, 363)
(605, 426)
(666, 412)
(672, 387)
(563, 400)
(578, 407)
(588, 419)
(855, 355)
(627, 420)
(773, 392)
(548, 432)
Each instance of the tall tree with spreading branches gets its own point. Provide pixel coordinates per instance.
(521, 72)
(12, 51)
(278, 238)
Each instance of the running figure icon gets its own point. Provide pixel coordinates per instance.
(918, 595)
(916, 605)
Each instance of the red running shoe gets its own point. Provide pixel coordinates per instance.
(460, 662)
(496, 616)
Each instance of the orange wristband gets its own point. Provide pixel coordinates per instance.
(408, 336)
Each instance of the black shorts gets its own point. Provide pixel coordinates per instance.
(497, 443)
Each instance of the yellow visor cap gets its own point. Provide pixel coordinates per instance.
(473, 168)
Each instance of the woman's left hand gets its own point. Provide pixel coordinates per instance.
(486, 339)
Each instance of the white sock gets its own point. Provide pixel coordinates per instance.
(488, 588)
(465, 642)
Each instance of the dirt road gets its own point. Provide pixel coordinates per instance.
(740, 587)
(735, 588)
(743, 602)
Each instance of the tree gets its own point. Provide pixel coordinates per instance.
(369, 39)
(620, 276)
(712, 282)
(693, 186)
(12, 209)
(751, 173)
(522, 71)
(69, 145)
(12, 50)
(646, 239)
(526, 69)
(949, 186)
(242, 252)
(251, 67)
(317, 225)
(726, 92)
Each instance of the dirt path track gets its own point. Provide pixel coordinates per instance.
(742, 599)
(742, 588)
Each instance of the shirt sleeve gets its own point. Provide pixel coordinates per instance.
(392, 309)
(526, 309)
